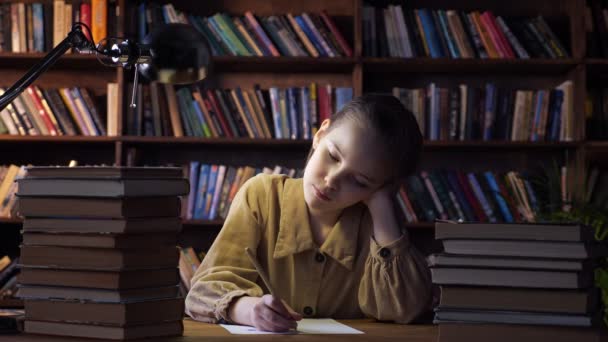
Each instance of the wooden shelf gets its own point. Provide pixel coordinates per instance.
(215, 141)
(68, 60)
(500, 145)
(56, 139)
(283, 64)
(495, 66)
(597, 146)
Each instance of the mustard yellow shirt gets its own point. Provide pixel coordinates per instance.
(349, 276)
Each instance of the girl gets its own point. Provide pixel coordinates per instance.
(330, 242)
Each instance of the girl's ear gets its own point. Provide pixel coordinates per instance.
(320, 133)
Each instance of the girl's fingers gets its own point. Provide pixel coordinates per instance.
(276, 305)
(294, 315)
(268, 320)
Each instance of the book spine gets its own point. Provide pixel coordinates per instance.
(519, 49)
(99, 19)
(261, 34)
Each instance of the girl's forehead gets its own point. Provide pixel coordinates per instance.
(362, 150)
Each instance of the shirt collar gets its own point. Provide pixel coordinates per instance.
(295, 235)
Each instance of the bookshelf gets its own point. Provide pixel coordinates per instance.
(360, 72)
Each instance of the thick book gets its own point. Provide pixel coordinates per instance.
(540, 249)
(105, 313)
(511, 278)
(507, 317)
(101, 240)
(157, 329)
(466, 332)
(102, 187)
(92, 225)
(99, 258)
(97, 295)
(110, 280)
(520, 299)
(482, 261)
(514, 231)
(104, 172)
(99, 207)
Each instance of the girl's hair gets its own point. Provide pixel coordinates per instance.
(394, 127)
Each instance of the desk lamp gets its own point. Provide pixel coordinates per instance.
(174, 53)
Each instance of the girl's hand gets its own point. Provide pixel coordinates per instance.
(272, 314)
(382, 197)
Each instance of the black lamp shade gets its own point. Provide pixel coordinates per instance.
(180, 55)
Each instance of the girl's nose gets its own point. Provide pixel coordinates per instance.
(332, 179)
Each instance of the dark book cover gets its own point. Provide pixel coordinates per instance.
(97, 279)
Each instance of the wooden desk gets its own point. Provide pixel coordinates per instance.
(196, 331)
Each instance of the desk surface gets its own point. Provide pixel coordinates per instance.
(196, 331)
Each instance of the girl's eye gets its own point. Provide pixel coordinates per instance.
(332, 156)
(359, 183)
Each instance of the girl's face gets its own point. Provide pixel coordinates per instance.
(346, 167)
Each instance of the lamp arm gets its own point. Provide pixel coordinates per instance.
(74, 39)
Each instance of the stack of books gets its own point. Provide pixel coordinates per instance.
(517, 282)
(99, 256)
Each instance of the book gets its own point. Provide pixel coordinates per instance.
(100, 240)
(511, 317)
(520, 299)
(102, 187)
(448, 260)
(91, 225)
(99, 207)
(546, 249)
(110, 280)
(511, 278)
(519, 231)
(97, 295)
(464, 332)
(156, 329)
(98, 258)
(103, 171)
(105, 313)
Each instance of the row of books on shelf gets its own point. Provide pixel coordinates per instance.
(492, 113)
(213, 187)
(469, 196)
(426, 196)
(307, 34)
(395, 31)
(40, 26)
(281, 113)
(52, 111)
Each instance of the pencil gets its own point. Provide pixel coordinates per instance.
(262, 273)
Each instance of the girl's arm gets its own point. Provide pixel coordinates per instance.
(396, 284)
(226, 273)
(224, 287)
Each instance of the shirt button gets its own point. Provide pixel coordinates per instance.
(308, 311)
(385, 252)
(319, 257)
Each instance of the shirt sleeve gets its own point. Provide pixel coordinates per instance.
(226, 272)
(396, 283)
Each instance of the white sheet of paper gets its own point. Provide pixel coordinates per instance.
(305, 326)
